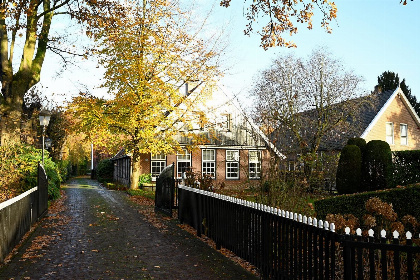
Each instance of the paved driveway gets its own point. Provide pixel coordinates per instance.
(100, 234)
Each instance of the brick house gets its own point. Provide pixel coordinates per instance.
(235, 150)
(396, 123)
(386, 116)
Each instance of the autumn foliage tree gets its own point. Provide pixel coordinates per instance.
(283, 18)
(151, 51)
(26, 35)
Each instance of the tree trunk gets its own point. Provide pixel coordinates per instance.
(136, 170)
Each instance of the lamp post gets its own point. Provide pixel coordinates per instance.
(44, 119)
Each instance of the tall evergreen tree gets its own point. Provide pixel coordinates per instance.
(390, 81)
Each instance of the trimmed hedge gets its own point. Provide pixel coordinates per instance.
(349, 171)
(406, 167)
(405, 201)
(359, 142)
(105, 171)
(377, 166)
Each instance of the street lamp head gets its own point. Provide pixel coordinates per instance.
(44, 118)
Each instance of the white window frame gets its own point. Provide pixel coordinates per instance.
(208, 165)
(227, 122)
(159, 161)
(389, 136)
(184, 158)
(232, 163)
(254, 164)
(404, 138)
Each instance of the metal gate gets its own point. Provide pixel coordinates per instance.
(165, 191)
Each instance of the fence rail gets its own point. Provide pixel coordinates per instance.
(285, 245)
(19, 213)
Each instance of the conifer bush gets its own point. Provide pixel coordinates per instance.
(105, 171)
(349, 171)
(377, 166)
(359, 142)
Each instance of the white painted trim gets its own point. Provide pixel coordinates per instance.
(380, 113)
(17, 198)
(411, 110)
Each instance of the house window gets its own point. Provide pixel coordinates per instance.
(158, 163)
(209, 162)
(254, 159)
(226, 122)
(390, 133)
(403, 134)
(183, 162)
(232, 164)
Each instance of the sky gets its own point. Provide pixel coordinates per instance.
(369, 37)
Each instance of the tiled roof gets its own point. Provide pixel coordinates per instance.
(370, 108)
(337, 138)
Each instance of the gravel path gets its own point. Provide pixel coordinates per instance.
(101, 234)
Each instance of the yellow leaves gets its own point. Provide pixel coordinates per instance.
(282, 16)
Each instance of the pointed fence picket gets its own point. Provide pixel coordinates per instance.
(287, 245)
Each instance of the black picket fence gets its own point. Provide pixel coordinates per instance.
(19, 213)
(285, 245)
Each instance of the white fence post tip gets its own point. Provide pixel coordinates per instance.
(383, 233)
(408, 235)
(300, 218)
(326, 225)
(332, 227)
(310, 221)
(371, 232)
(295, 216)
(396, 234)
(320, 224)
(359, 232)
(305, 220)
(347, 230)
(315, 222)
(283, 213)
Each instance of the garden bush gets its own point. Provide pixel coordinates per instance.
(145, 179)
(405, 201)
(359, 142)
(349, 171)
(377, 166)
(19, 172)
(105, 171)
(65, 168)
(406, 167)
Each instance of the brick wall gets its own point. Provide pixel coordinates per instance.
(397, 113)
(196, 163)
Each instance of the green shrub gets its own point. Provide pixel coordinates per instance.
(359, 142)
(65, 168)
(404, 200)
(105, 171)
(19, 170)
(406, 167)
(145, 179)
(377, 166)
(349, 171)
